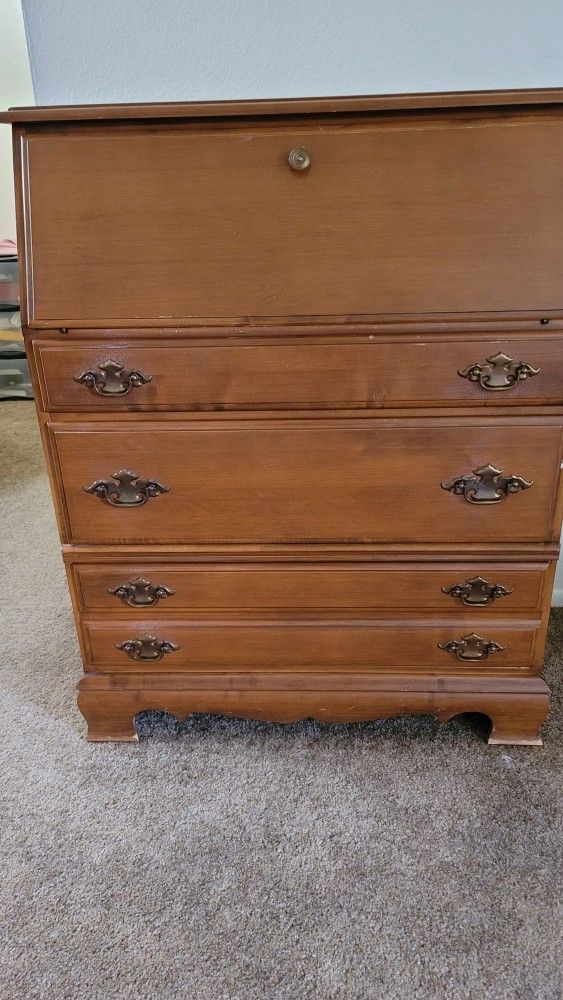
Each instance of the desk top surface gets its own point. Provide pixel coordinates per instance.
(286, 106)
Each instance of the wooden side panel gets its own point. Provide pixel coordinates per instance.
(442, 214)
(309, 481)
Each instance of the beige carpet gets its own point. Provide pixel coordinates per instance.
(220, 860)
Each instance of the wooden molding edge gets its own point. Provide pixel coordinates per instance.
(287, 106)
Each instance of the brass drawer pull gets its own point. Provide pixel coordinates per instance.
(112, 379)
(486, 485)
(299, 158)
(471, 647)
(140, 593)
(500, 372)
(147, 647)
(477, 592)
(127, 490)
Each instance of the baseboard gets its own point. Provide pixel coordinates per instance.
(557, 599)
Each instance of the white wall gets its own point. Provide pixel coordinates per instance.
(15, 88)
(93, 51)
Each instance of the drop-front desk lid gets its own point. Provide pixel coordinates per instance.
(342, 210)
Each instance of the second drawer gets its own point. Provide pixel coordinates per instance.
(310, 482)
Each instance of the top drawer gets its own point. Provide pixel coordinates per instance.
(422, 214)
(361, 372)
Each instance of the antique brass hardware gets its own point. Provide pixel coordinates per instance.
(127, 490)
(112, 379)
(471, 647)
(299, 158)
(140, 593)
(146, 647)
(500, 372)
(477, 592)
(486, 485)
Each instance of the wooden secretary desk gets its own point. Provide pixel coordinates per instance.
(298, 368)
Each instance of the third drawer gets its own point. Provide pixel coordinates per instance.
(152, 588)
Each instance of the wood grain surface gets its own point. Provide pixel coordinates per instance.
(298, 481)
(315, 645)
(516, 706)
(408, 217)
(316, 587)
(364, 372)
(288, 106)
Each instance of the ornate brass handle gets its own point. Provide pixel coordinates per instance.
(299, 158)
(127, 490)
(146, 647)
(477, 592)
(471, 647)
(500, 372)
(140, 593)
(112, 379)
(486, 485)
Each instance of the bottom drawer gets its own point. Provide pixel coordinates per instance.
(310, 645)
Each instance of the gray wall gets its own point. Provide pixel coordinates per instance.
(85, 51)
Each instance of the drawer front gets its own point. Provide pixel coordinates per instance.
(404, 214)
(304, 645)
(267, 482)
(363, 372)
(154, 589)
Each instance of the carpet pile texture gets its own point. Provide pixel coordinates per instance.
(222, 859)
